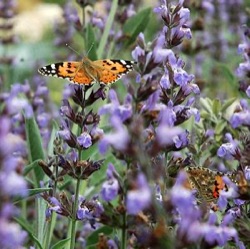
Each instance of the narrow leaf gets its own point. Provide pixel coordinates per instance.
(24, 224)
(227, 103)
(136, 24)
(91, 45)
(31, 192)
(55, 128)
(93, 238)
(216, 106)
(60, 244)
(35, 148)
(31, 166)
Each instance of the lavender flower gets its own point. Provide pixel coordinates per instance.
(228, 150)
(241, 117)
(139, 198)
(119, 139)
(110, 187)
(114, 108)
(12, 184)
(12, 236)
(190, 225)
(84, 140)
(244, 67)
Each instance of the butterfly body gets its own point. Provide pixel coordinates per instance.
(87, 72)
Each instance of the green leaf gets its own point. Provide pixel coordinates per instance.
(225, 71)
(90, 42)
(206, 104)
(93, 238)
(109, 23)
(60, 244)
(205, 115)
(55, 128)
(31, 192)
(35, 147)
(220, 126)
(24, 224)
(136, 24)
(227, 103)
(41, 206)
(31, 166)
(216, 106)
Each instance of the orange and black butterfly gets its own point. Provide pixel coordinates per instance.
(87, 72)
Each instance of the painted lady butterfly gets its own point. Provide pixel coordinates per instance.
(209, 183)
(87, 72)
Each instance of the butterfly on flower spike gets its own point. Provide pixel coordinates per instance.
(87, 72)
(209, 183)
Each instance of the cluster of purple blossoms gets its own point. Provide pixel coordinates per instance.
(165, 85)
(12, 154)
(66, 28)
(191, 224)
(243, 69)
(145, 190)
(7, 37)
(27, 100)
(145, 128)
(68, 156)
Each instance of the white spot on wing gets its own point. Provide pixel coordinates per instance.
(53, 66)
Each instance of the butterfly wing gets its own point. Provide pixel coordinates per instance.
(72, 71)
(208, 183)
(109, 71)
(87, 72)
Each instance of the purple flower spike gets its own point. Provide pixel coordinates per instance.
(84, 140)
(164, 82)
(138, 53)
(140, 198)
(114, 108)
(151, 102)
(167, 115)
(247, 172)
(83, 213)
(181, 197)
(110, 187)
(12, 184)
(119, 139)
(11, 235)
(242, 117)
(226, 151)
(168, 135)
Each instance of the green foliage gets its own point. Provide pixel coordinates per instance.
(32, 192)
(136, 24)
(26, 226)
(91, 43)
(35, 147)
(60, 244)
(93, 238)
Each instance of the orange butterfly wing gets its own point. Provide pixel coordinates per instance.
(87, 72)
(71, 71)
(112, 70)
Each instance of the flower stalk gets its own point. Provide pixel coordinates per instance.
(74, 217)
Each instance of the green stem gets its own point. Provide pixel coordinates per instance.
(51, 224)
(105, 35)
(73, 224)
(74, 220)
(124, 231)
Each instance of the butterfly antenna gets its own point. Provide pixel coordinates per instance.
(67, 45)
(92, 44)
